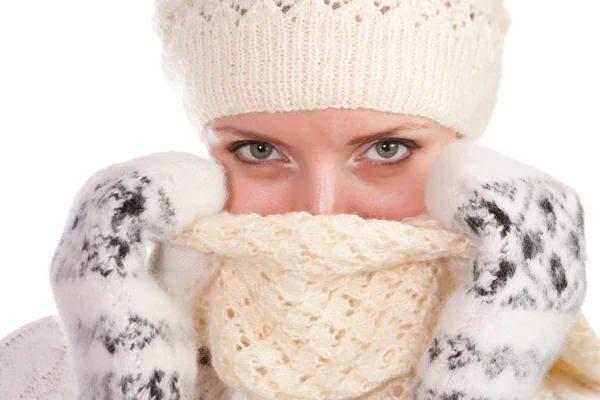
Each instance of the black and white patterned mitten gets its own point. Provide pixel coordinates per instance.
(516, 301)
(127, 338)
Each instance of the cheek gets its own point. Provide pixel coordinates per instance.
(398, 195)
(400, 198)
(248, 195)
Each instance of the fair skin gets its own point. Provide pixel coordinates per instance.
(333, 161)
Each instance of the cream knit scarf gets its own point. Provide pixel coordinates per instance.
(337, 307)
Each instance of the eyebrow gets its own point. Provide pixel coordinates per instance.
(248, 135)
(408, 127)
(405, 127)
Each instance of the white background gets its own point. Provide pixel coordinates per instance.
(81, 87)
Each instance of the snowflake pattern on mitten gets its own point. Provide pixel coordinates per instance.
(127, 338)
(518, 298)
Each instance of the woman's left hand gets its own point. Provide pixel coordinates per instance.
(516, 301)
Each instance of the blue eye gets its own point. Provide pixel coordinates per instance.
(387, 150)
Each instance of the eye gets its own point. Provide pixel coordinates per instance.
(387, 150)
(256, 151)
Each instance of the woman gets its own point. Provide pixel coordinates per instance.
(330, 108)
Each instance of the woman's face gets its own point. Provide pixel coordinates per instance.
(333, 161)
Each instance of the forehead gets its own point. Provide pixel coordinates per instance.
(335, 125)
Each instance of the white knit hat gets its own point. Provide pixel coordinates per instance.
(439, 59)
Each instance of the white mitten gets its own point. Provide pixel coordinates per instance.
(516, 301)
(127, 338)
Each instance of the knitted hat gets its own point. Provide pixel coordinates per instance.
(439, 59)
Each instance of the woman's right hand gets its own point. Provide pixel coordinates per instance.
(127, 338)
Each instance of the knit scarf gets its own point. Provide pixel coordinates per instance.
(337, 307)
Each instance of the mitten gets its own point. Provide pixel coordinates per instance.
(127, 338)
(517, 299)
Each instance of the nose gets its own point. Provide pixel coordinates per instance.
(320, 191)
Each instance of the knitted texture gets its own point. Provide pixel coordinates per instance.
(34, 363)
(497, 333)
(439, 59)
(301, 301)
(127, 338)
(33, 366)
(337, 307)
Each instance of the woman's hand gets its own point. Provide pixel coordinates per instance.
(127, 338)
(516, 301)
